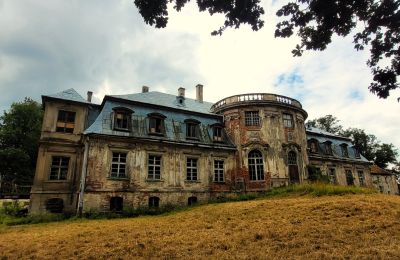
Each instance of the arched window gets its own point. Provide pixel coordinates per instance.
(292, 158)
(345, 152)
(116, 203)
(256, 165)
(313, 146)
(55, 205)
(122, 118)
(192, 200)
(328, 148)
(154, 202)
(156, 123)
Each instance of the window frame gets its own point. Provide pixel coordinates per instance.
(159, 124)
(344, 150)
(63, 122)
(361, 178)
(219, 171)
(192, 171)
(254, 165)
(192, 128)
(313, 145)
(119, 176)
(349, 173)
(328, 148)
(59, 166)
(151, 166)
(252, 118)
(332, 175)
(126, 116)
(288, 122)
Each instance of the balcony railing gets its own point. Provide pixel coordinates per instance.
(255, 97)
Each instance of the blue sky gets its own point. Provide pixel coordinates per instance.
(105, 47)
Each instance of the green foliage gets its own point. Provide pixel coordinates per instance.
(386, 153)
(328, 123)
(315, 175)
(19, 135)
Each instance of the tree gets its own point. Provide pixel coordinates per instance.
(366, 144)
(19, 136)
(385, 154)
(375, 26)
(328, 123)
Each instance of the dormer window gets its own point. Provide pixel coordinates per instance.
(345, 152)
(313, 146)
(217, 133)
(192, 128)
(156, 124)
(65, 122)
(328, 148)
(122, 119)
(356, 152)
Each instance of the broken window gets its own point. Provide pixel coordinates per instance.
(217, 134)
(256, 165)
(356, 153)
(59, 168)
(192, 128)
(218, 171)
(55, 205)
(328, 148)
(154, 202)
(65, 121)
(154, 167)
(122, 118)
(192, 201)
(118, 165)
(156, 123)
(251, 118)
(332, 175)
(288, 120)
(116, 204)
(345, 152)
(191, 169)
(313, 146)
(361, 178)
(349, 177)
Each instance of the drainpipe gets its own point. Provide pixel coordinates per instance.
(83, 178)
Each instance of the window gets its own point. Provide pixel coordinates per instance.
(191, 169)
(122, 119)
(349, 177)
(328, 148)
(332, 175)
(292, 158)
(218, 171)
(361, 178)
(118, 165)
(256, 166)
(154, 168)
(154, 202)
(192, 201)
(217, 134)
(116, 204)
(59, 168)
(156, 123)
(345, 152)
(55, 205)
(251, 118)
(65, 121)
(192, 129)
(288, 121)
(356, 153)
(313, 145)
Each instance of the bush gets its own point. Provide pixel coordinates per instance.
(315, 175)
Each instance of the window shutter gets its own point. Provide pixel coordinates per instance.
(112, 116)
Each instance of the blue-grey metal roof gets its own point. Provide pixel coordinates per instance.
(168, 100)
(69, 94)
(336, 141)
(174, 124)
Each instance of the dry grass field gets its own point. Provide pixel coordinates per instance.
(303, 227)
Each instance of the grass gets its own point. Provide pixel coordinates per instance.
(365, 226)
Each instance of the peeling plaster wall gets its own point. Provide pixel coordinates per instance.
(385, 184)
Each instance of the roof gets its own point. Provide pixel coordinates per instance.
(315, 130)
(168, 100)
(375, 169)
(70, 95)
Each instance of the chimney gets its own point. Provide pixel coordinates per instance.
(199, 93)
(181, 92)
(145, 89)
(89, 96)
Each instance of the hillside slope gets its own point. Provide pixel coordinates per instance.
(353, 226)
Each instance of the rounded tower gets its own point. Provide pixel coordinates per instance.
(270, 136)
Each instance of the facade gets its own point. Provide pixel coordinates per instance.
(383, 180)
(152, 149)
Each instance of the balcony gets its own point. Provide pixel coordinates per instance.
(254, 98)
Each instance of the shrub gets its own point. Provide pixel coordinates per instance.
(315, 175)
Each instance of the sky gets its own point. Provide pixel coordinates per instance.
(105, 47)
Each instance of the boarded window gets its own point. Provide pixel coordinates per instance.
(154, 202)
(251, 118)
(154, 167)
(65, 121)
(55, 205)
(256, 165)
(116, 204)
(191, 169)
(59, 168)
(118, 165)
(218, 171)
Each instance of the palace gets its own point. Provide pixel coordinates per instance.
(152, 148)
